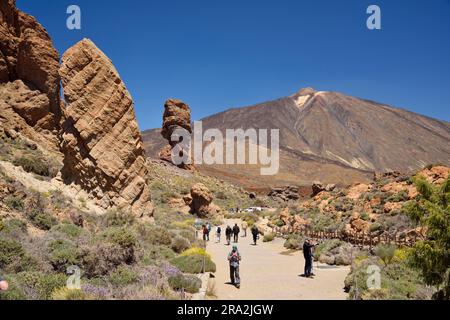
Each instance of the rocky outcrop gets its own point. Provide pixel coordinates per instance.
(177, 115)
(201, 203)
(29, 78)
(102, 143)
(285, 194)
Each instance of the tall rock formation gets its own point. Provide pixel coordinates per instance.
(102, 142)
(177, 115)
(29, 79)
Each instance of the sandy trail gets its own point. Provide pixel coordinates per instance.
(270, 272)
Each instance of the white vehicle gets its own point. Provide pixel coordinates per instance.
(253, 209)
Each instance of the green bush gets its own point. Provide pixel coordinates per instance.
(63, 254)
(69, 230)
(156, 253)
(10, 251)
(14, 203)
(101, 258)
(33, 164)
(194, 263)
(123, 276)
(63, 294)
(13, 225)
(39, 285)
(268, 237)
(179, 244)
(294, 242)
(118, 218)
(155, 235)
(375, 227)
(190, 284)
(385, 252)
(44, 221)
(121, 236)
(327, 246)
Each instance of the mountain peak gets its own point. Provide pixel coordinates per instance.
(306, 91)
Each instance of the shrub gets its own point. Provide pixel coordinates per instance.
(101, 258)
(294, 242)
(39, 285)
(36, 212)
(68, 294)
(10, 250)
(385, 253)
(155, 235)
(279, 223)
(63, 254)
(69, 230)
(14, 203)
(375, 227)
(13, 225)
(165, 197)
(327, 246)
(33, 164)
(190, 284)
(121, 236)
(196, 251)
(268, 237)
(123, 276)
(118, 218)
(180, 244)
(194, 263)
(155, 253)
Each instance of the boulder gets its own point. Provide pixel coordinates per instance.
(102, 142)
(201, 200)
(285, 194)
(177, 116)
(317, 187)
(29, 78)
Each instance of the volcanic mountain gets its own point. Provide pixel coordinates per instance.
(329, 136)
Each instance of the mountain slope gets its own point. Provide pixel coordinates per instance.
(331, 137)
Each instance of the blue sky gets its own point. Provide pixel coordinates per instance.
(231, 53)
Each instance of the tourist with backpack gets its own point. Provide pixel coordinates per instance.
(228, 232)
(205, 233)
(255, 233)
(218, 233)
(234, 259)
(236, 231)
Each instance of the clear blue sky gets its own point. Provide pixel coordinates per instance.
(217, 54)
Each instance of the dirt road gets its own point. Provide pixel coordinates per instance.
(270, 272)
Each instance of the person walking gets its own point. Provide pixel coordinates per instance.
(236, 231)
(255, 233)
(308, 255)
(234, 259)
(209, 227)
(205, 233)
(218, 233)
(244, 226)
(228, 232)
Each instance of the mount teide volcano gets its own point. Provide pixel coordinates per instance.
(331, 137)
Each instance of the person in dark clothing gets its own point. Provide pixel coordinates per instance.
(228, 232)
(255, 233)
(236, 231)
(205, 233)
(308, 255)
(234, 258)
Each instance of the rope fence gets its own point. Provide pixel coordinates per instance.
(358, 239)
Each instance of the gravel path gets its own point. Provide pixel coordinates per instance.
(270, 272)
